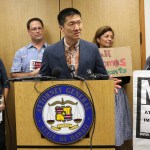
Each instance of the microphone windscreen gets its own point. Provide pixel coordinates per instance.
(101, 77)
(56, 72)
(89, 72)
(71, 68)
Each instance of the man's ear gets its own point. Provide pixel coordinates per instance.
(60, 27)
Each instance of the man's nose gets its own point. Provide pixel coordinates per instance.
(76, 26)
(38, 29)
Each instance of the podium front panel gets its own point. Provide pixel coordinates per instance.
(27, 135)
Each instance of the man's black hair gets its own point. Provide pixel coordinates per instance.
(67, 12)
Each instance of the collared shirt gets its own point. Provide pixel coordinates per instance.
(72, 55)
(23, 56)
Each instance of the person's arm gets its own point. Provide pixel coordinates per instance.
(5, 95)
(17, 67)
(24, 74)
(116, 83)
(99, 68)
(5, 86)
(120, 81)
(6, 91)
(17, 64)
(125, 80)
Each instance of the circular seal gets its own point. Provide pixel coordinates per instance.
(63, 114)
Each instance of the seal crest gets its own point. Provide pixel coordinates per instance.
(63, 114)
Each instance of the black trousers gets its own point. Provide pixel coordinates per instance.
(2, 134)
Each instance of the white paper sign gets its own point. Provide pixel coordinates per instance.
(35, 64)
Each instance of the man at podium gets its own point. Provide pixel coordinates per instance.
(72, 50)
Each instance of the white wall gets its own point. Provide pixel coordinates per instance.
(147, 26)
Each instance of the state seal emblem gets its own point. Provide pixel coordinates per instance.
(63, 114)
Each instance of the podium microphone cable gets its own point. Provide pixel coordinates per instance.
(94, 112)
(75, 76)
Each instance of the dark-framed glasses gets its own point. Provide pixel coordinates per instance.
(35, 29)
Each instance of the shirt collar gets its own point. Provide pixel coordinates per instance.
(76, 47)
(31, 45)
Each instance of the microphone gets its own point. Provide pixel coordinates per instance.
(73, 74)
(147, 67)
(56, 72)
(93, 76)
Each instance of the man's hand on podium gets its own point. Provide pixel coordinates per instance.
(116, 83)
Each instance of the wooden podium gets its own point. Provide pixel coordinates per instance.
(24, 133)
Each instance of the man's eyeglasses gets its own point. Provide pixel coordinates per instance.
(35, 29)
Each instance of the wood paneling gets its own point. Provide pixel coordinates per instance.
(65, 4)
(142, 29)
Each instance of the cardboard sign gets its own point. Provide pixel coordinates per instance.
(141, 110)
(117, 60)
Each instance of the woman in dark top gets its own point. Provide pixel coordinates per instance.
(104, 38)
(4, 89)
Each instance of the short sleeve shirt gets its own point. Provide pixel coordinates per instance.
(23, 56)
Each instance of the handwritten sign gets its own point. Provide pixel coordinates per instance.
(117, 60)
